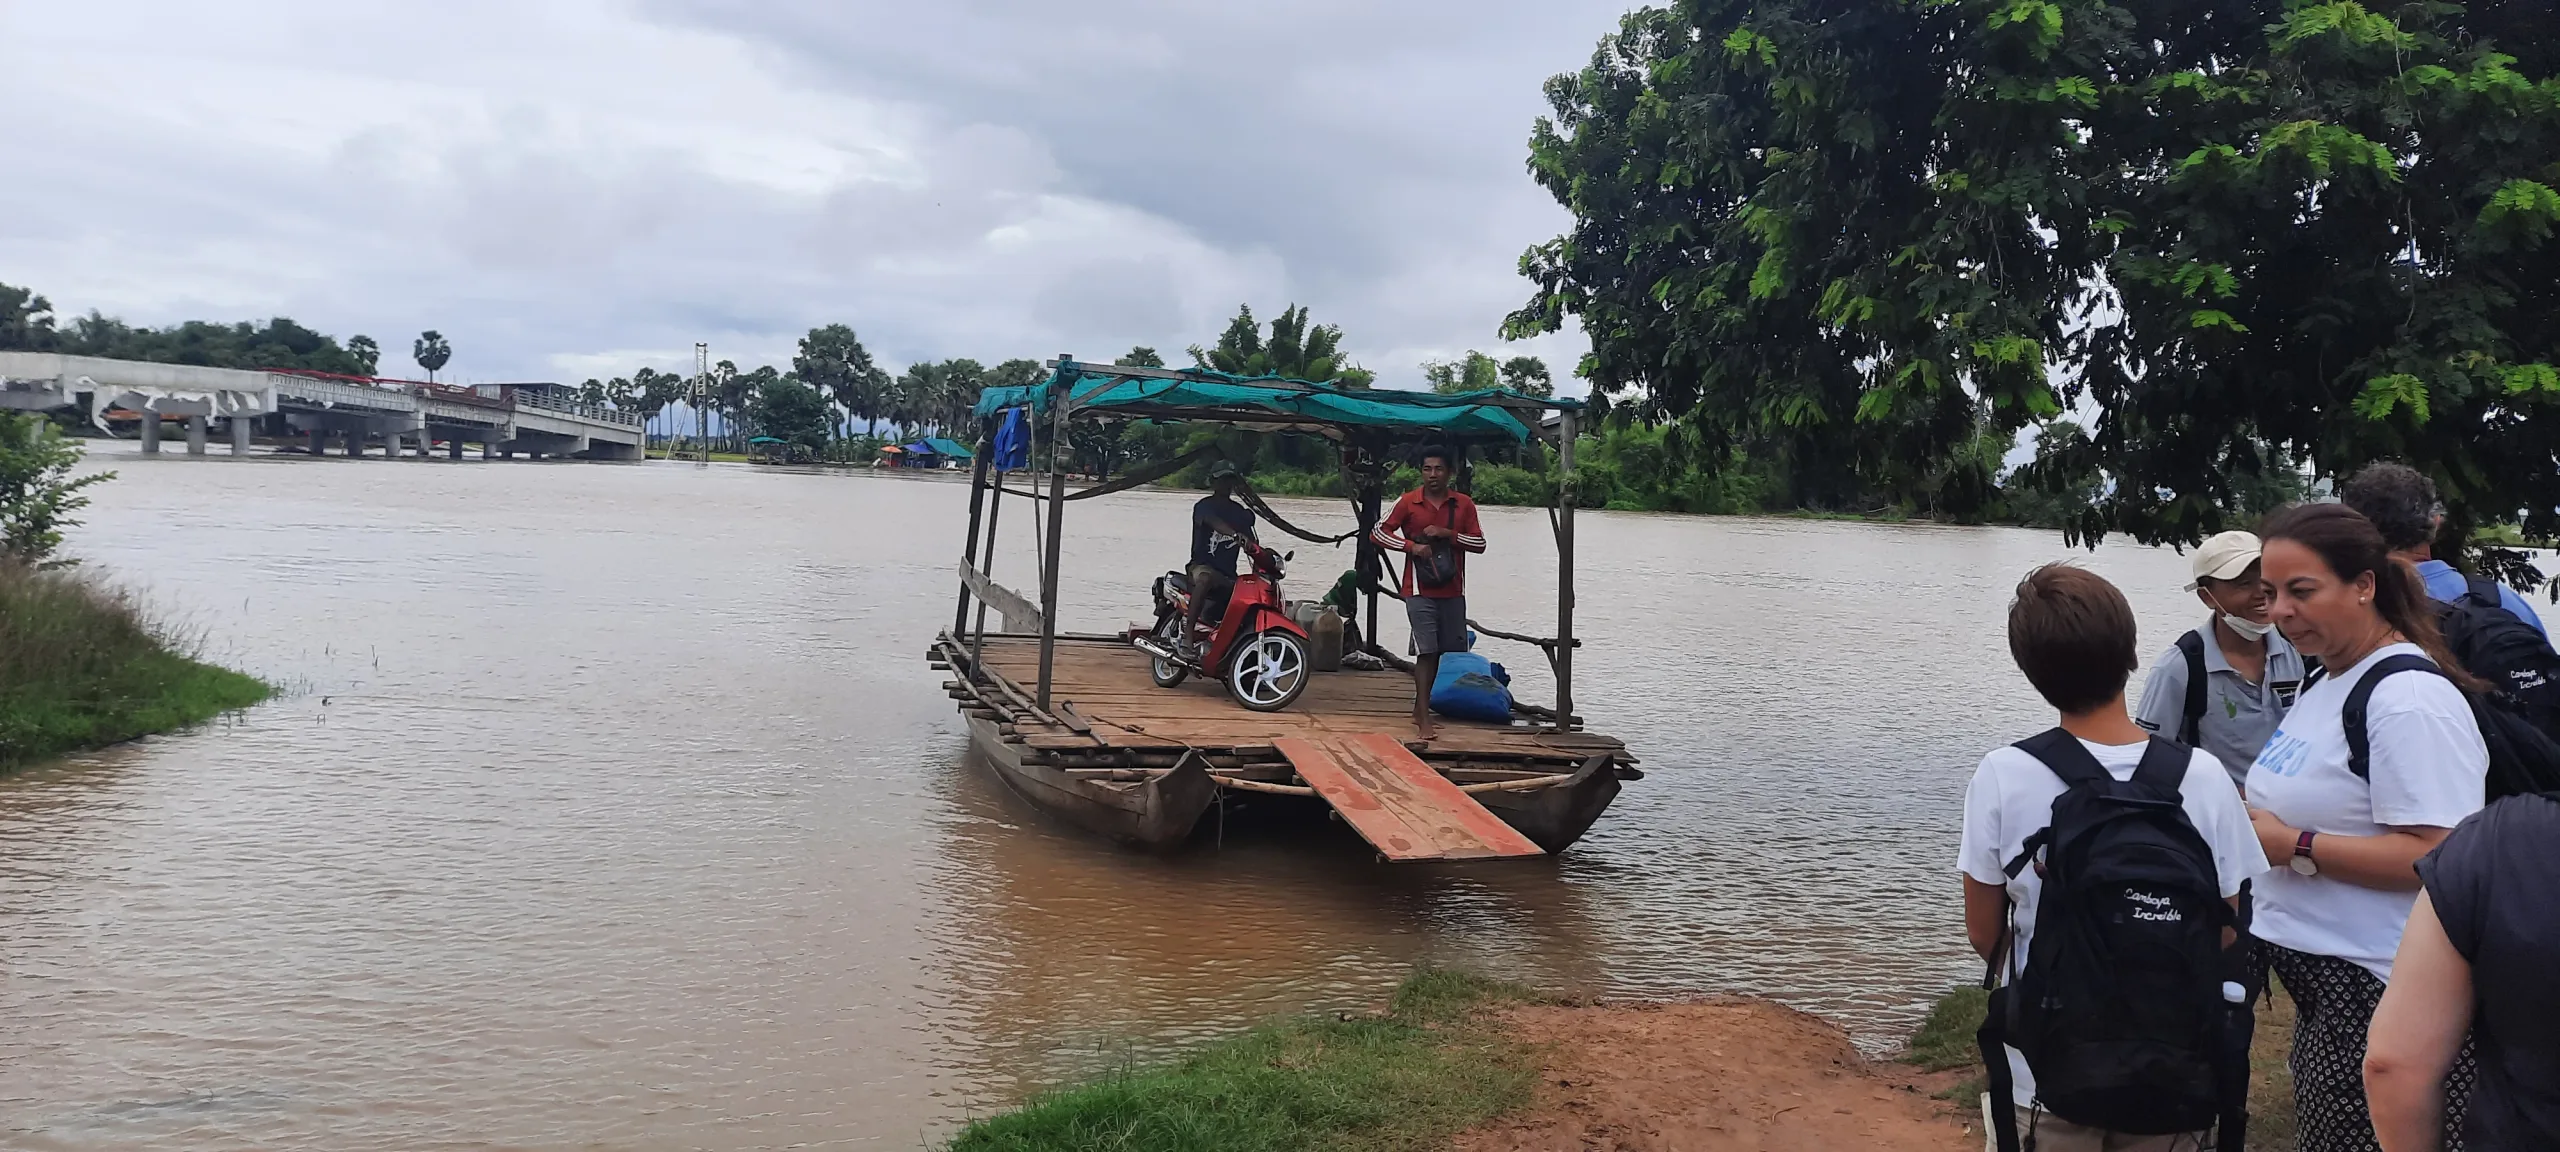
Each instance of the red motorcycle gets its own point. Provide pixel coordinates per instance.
(1252, 646)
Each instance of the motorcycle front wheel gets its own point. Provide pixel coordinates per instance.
(1169, 674)
(1268, 671)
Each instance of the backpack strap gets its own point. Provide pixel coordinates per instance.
(2164, 766)
(2351, 715)
(2193, 645)
(2483, 589)
(2063, 753)
(1992, 1038)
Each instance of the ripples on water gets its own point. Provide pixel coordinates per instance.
(615, 806)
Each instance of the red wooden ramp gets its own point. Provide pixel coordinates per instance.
(1396, 802)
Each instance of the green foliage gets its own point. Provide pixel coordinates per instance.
(1407, 1079)
(796, 413)
(1872, 234)
(832, 360)
(1528, 376)
(80, 667)
(1140, 357)
(38, 493)
(366, 354)
(26, 321)
(1473, 372)
(937, 396)
(1294, 348)
(432, 351)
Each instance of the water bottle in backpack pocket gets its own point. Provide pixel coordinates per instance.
(2119, 1008)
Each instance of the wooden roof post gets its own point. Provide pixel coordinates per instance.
(977, 501)
(995, 514)
(1062, 387)
(1565, 436)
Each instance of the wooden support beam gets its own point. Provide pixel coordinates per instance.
(1562, 654)
(1020, 614)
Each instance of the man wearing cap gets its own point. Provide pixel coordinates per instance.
(2224, 687)
(1217, 523)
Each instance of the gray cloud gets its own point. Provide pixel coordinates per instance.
(577, 187)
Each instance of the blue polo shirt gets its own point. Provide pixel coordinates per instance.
(2446, 583)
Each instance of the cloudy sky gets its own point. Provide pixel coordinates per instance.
(570, 188)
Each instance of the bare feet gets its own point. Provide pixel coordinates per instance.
(1424, 728)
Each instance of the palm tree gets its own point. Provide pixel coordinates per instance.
(431, 352)
(915, 395)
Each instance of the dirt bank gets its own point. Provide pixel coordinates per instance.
(1720, 1075)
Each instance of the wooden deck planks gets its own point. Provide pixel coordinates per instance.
(1397, 803)
(1117, 705)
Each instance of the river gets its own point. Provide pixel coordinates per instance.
(614, 806)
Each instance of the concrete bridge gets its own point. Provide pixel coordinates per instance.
(504, 419)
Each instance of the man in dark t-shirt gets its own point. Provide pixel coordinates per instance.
(1218, 522)
(2477, 960)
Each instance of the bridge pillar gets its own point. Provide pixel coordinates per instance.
(240, 435)
(355, 441)
(319, 441)
(453, 448)
(195, 435)
(489, 449)
(150, 431)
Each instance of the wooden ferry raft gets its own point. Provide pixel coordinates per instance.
(1117, 754)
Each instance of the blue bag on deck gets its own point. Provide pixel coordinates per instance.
(1471, 687)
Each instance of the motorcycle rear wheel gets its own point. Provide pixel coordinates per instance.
(1168, 673)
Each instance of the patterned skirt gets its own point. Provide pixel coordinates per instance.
(2333, 1002)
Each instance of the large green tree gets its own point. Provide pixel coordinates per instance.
(2240, 235)
(833, 360)
(794, 412)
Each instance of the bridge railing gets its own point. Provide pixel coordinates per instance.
(589, 411)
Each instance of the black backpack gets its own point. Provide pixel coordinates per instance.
(2499, 647)
(2521, 757)
(2120, 1009)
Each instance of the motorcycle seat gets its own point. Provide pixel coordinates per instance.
(1177, 581)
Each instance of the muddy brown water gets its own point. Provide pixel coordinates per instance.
(613, 806)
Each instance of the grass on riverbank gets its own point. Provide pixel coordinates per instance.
(1945, 1042)
(1404, 1079)
(81, 666)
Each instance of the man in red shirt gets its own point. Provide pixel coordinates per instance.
(1435, 528)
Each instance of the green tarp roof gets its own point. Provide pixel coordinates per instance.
(947, 447)
(1278, 401)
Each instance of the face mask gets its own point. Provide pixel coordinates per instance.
(2242, 624)
(2247, 627)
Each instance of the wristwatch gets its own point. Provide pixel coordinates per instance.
(2302, 861)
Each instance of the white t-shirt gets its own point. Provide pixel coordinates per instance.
(2429, 768)
(2011, 798)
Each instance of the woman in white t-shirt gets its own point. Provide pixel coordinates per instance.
(2345, 847)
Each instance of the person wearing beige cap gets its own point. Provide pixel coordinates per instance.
(2224, 687)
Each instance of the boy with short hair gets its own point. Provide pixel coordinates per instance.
(2072, 634)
